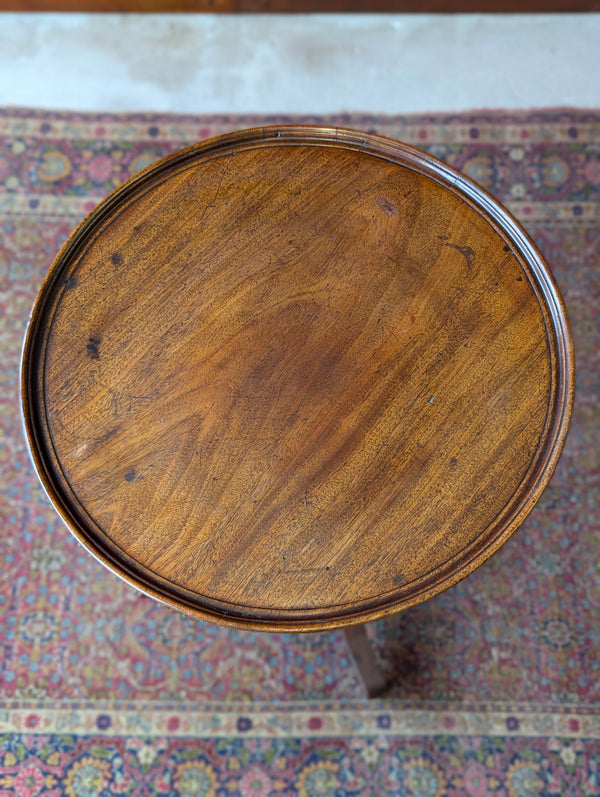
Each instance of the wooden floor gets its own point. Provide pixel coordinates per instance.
(304, 6)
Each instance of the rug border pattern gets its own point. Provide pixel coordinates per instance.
(376, 718)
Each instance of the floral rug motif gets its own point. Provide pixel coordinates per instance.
(438, 766)
(495, 684)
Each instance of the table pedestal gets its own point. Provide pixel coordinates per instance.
(364, 656)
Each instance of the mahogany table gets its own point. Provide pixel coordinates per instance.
(296, 379)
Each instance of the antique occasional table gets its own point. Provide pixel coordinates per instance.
(296, 378)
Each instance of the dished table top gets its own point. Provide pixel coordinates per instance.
(296, 378)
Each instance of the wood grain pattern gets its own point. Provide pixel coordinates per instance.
(297, 378)
(122, 6)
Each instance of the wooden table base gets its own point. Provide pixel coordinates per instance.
(364, 656)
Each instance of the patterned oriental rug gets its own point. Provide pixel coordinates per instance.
(496, 683)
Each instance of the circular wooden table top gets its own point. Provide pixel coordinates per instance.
(296, 378)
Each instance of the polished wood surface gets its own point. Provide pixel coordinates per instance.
(297, 378)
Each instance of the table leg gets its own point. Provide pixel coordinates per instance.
(364, 657)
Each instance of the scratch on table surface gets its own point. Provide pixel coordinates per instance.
(466, 251)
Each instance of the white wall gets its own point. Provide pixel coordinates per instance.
(298, 64)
